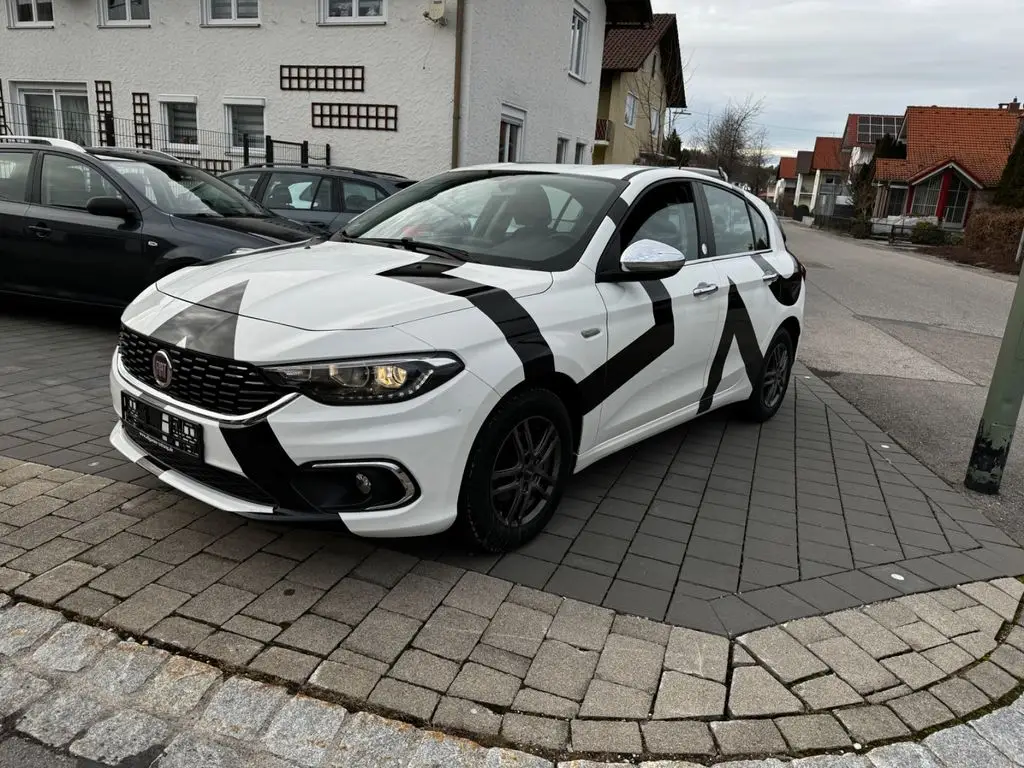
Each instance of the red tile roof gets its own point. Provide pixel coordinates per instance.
(787, 168)
(828, 154)
(976, 139)
(627, 48)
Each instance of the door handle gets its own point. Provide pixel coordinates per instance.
(41, 230)
(704, 289)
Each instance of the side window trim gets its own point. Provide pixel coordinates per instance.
(751, 213)
(112, 179)
(713, 243)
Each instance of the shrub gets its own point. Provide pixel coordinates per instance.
(995, 233)
(926, 233)
(1011, 186)
(800, 212)
(860, 228)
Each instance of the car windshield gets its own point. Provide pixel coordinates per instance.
(538, 221)
(182, 190)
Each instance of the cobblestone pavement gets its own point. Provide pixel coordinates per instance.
(77, 695)
(720, 526)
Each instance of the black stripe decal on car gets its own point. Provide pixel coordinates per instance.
(265, 462)
(786, 290)
(514, 322)
(208, 326)
(738, 326)
(629, 362)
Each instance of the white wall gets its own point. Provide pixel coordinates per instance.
(409, 62)
(517, 53)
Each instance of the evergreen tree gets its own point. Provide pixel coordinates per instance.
(1011, 186)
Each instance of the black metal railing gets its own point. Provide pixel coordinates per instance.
(213, 151)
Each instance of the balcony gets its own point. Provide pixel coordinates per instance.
(604, 132)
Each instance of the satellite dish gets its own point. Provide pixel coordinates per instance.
(436, 10)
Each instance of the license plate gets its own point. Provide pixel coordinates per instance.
(162, 429)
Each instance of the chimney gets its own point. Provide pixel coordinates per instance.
(1012, 106)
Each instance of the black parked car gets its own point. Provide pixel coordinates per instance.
(98, 225)
(325, 196)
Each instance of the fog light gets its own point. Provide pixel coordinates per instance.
(363, 484)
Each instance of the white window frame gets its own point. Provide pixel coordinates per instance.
(577, 160)
(105, 20)
(655, 118)
(12, 17)
(514, 116)
(580, 43)
(243, 101)
(626, 116)
(326, 19)
(168, 146)
(562, 150)
(55, 90)
(234, 21)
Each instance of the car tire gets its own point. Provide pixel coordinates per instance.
(773, 380)
(510, 457)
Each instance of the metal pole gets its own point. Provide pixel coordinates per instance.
(1020, 247)
(1005, 394)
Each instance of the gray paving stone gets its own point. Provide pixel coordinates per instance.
(517, 629)
(348, 680)
(921, 710)
(928, 609)
(503, 661)
(880, 697)
(826, 692)
(466, 716)
(229, 648)
(254, 628)
(541, 703)
(560, 669)
(508, 758)
(382, 635)
(745, 737)
(581, 625)
(921, 636)
(905, 755)
(51, 586)
(1005, 730)
(977, 644)
(304, 730)
(810, 630)
(479, 594)
(285, 664)
(853, 664)
(683, 696)
(1013, 587)
(962, 746)
(145, 608)
(530, 731)
(116, 550)
(451, 633)
(983, 617)
(872, 723)
(121, 670)
(610, 700)
(892, 613)
(190, 750)
(754, 693)
(913, 669)
(261, 571)
(369, 741)
(486, 685)
(414, 595)
(178, 687)
(314, 634)
(18, 689)
(697, 653)
(197, 573)
(410, 700)
(180, 632)
(807, 733)
(602, 736)
(631, 662)
(783, 655)
(533, 598)
(130, 576)
(10, 578)
(446, 751)
(58, 718)
(867, 633)
(990, 679)
(960, 696)
(846, 760)
(240, 708)
(641, 629)
(688, 738)
(22, 625)
(285, 601)
(954, 599)
(993, 598)
(1010, 659)
(425, 670)
(72, 647)
(121, 736)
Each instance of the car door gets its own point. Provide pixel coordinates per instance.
(357, 196)
(744, 256)
(660, 332)
(77, 254)
(15, 248)
(306, 197)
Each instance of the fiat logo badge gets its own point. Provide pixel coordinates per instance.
(162, 371)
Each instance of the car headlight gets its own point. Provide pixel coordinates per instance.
(367, 381)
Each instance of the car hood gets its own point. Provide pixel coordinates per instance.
(276, 229)
(344, 286)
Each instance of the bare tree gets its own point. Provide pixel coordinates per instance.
(757, 171)
(729, 137)
(651, 90)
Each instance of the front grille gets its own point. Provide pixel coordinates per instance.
(215, 383)
(218, 479)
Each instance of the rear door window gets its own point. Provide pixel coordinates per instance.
(300, 192)
(244, 182)
(14, 170)
(360, 196)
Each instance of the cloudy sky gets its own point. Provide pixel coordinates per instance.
(815, 61)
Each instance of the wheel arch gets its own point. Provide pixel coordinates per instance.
(792, 326)
(567, 390)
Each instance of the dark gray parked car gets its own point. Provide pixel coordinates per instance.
(325, 196)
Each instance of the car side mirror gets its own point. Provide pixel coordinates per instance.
(647, 256)
(114, 207)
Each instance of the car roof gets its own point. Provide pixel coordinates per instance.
(333, 170)
(611, 171)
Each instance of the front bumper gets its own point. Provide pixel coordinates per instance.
(276, 463)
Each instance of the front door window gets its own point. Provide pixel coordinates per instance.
(956, 201)
(58, 115)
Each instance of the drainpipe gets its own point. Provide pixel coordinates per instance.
(460, 34)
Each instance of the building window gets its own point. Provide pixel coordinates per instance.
(510, 135)
(897, 201)
(630, 110)
(870, 128)
(30, 13)
(231, 11)
(578, 48)
(57, 113)
(562, 153)
(246, 119)
(926, 197)
(353, 11)
(181, 125)
(956, 201)
(581, 153)
(124, 12)
(655, 121)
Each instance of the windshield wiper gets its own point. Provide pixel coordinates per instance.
(410, 244)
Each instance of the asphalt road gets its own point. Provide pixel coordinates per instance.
(911, 341)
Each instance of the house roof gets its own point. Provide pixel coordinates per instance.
(828, 154)
(626, 48)
(977, 140)
(787, 168)
(850, 134)
(804, 161)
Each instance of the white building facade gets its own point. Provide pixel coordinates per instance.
(405, 86)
